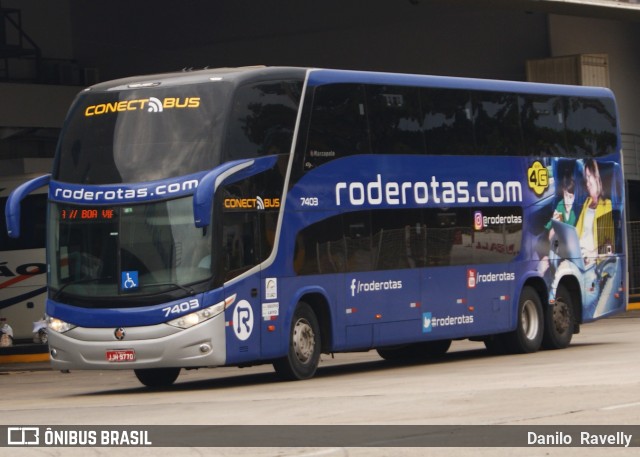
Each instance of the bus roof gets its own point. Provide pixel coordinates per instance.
(326, 76)
(238, 75)
(319, 76)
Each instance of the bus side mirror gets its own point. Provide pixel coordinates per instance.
(12, 209)
(227, 173)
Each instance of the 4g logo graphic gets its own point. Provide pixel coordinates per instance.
(538, 178)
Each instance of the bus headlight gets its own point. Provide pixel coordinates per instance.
(189, 320)
(58, 325)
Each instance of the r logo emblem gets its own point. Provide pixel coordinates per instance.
(243, 320)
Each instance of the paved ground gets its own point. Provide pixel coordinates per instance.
(595, 381)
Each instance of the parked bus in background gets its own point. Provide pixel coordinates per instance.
(268, 215)
(23, 280)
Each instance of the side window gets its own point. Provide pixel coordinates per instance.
(591, 126)
(496, 123)
(249, 209)
(495, 235)
(339, 244)
(444, 236)
(338, 124)
(240, 243)
(360, 243)
(447, 121)
(324, 248)
(395, 120)
(543, 125)
(262, 119)
(410, 238)
(400, 239)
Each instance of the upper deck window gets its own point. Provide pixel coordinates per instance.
(346, 118)
(262, 120)
(339, 126)
(543, 125)
(591, 126)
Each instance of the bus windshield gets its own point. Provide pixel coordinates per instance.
(129, 136)
(104, 253)
(115, 252)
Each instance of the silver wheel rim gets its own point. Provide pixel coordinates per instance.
(529, 320)
(304, 341)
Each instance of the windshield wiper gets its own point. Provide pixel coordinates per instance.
(188, 290)
(76, 282)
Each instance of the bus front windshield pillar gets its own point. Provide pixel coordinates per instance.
(228, 172)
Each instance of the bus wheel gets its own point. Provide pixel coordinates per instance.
(559, 324)
(435, 348)
(496, 344)
(417, 351)
(157, 377)
(303, 356)
(396, 353)
(527, 337)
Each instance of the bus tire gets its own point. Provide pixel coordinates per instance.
(496, 344)
(527, 337)
(559, 325)
(396, 353)
(157, 377)
(416, 351)
(303, 356)
(435, 348)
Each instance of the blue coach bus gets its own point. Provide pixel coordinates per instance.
(268, 215)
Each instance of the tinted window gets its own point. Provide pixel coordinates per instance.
(409, 120)
(543, 125)
(262, 119)
(324, 247)
(338, 124)
(591, 126)
(401, 239)
(359, 241)
(395, 120)
(248, 214)
(496, 123)
(447, 121)
(397, 239)
(239, 250)
(142, 135)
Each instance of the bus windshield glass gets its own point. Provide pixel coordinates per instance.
(137, 136)
(101, 252)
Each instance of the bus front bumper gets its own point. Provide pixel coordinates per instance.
(155, 346)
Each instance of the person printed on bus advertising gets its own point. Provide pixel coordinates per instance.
(564, 212)
(595, 224)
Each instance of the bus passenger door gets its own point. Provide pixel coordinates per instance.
(239, 256)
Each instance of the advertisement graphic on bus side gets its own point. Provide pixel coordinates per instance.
(580, 232)
(410, 181)
(570, 208)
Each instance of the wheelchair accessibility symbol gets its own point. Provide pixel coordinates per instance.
(129, 280)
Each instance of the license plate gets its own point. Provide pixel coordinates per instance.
(121, 355)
